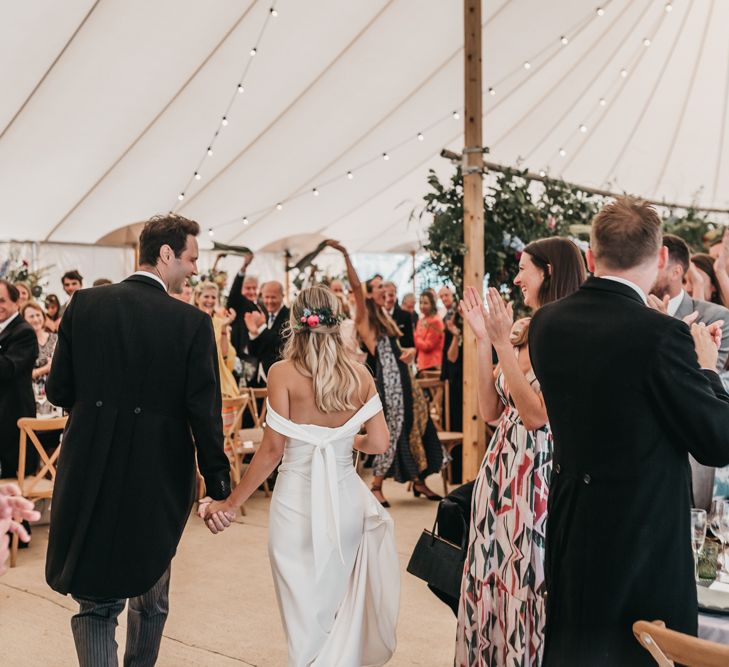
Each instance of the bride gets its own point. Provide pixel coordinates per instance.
(331, 544)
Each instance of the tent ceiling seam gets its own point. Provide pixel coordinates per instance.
(677, 129)
(290, 106)
(149, 125)
(614, 98)
(49, 70)
(649, 99)
(719, 152)
(311, 180)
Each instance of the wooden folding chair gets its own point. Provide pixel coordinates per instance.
(438, 394)
(668, 646)
(40, 485)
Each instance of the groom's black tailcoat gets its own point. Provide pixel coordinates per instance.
(626, 402)
(138, 372)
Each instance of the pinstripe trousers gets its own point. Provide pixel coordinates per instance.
(94, 627)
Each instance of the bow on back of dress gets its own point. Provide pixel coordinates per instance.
(325, 531)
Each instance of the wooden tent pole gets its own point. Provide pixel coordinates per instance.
(474, 436)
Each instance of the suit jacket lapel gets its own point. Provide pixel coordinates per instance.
(9, 329)
(686, 307)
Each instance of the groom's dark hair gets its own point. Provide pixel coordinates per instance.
(171, 230)
(678, 251)
(625, 233)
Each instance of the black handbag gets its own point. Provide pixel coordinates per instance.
(438, 562)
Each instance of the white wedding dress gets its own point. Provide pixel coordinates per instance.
(332, 549)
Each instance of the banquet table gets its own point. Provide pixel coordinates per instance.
(714, 626)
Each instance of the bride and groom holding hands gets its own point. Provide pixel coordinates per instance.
(137, 372)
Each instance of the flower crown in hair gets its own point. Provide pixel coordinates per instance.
(317, 317)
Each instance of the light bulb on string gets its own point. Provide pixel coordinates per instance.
(646, 42)
(456, 115)
(224, 122)
(564, 40)
(385, 157)
(603, 101)
(669, 7)
(279, 206)
(624, 72)
(240, 88)
(197, 176)
(492, 92)
(245, 220)
(274, 12)
(542, 173)
(527, 65)
(600, 11)
(583, 128)
(210, 150)
(181, 196)
(562, 152)
(315, 192)
(254, 51)
(211, 232)
(420, 136)
(350, 175)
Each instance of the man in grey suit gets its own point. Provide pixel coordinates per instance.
(668, 295)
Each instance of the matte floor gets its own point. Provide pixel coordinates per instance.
(222, 603)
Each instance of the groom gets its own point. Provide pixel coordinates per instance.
(138, 373)
(630, 392)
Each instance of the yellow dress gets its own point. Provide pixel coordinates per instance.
(228, 385)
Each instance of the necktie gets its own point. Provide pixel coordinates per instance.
(270, 320)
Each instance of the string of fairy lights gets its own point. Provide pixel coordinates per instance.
(528, 68)
(224, 119)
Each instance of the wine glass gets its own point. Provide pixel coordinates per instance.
(723, 533)
(698, 535)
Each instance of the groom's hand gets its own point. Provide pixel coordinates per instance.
(216, 513)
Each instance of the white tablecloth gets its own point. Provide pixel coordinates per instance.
(714, 628)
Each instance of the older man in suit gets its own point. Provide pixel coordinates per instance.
(630, 392)
(266, 330)
(18, 352)
(138, 372)
(669, 296)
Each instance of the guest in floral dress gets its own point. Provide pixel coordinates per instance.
(501, 609)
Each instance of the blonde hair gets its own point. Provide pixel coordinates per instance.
(321, 354)
(205, 286)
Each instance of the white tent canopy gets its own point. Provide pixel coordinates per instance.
(108, 108)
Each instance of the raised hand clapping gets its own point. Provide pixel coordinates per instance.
(473, 313)
(499, 318)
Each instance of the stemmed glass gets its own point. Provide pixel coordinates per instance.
(698, 535)
(718, 515)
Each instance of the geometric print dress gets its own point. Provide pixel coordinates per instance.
(501, 608)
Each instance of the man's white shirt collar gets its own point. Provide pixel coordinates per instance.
(151, 275)
(4, 324)
(629, 283)
(674, 303)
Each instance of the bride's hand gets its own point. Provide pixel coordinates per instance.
(217, 514)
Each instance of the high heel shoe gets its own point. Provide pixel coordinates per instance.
(378, 489)
(426, 492)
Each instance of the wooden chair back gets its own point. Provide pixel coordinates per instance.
(436, 391)
(39, 485)
(254, 395)
(668, 646)
(233, 409)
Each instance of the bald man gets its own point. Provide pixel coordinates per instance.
(264, 330)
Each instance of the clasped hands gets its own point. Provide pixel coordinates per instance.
(217, 514)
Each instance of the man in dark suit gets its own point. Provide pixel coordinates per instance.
(18, 352)
(669, 296)
(266, 331)
(242, 298)
(630, 393)
(402, 318)
(137, 370)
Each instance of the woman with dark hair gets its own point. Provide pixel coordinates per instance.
(53, 313)
(415, 451)
(429, 335)
(702, 281)
(501, 610)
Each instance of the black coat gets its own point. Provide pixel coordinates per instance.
(404, 321)
(241, 305)
(18, 352)
(138, 372)
(268, 345)
(627, 402)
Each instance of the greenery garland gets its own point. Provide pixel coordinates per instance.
(519, 210)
